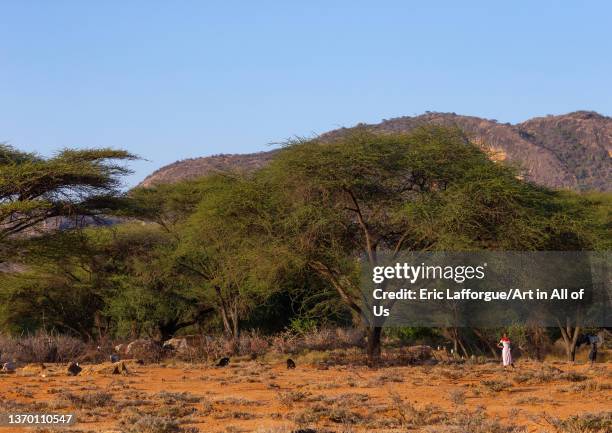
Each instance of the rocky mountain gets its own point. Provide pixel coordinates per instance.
(568, 151)
(196, 167)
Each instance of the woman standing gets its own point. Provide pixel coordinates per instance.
(504, 344)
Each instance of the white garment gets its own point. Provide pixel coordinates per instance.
(506, 352)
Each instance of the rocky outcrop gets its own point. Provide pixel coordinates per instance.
(572, 151)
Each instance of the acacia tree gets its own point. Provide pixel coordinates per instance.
(73, 183)
(228, 244)
(585, 225)
(361, 194)
(98, 281)
(148, 294)
(168, 205)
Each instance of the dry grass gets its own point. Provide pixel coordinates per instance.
(263, 396)
(583, 423)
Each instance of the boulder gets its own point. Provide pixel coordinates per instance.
(183, 344)
(418, 354)
(140, 347)
(146, 350)
(177, 344)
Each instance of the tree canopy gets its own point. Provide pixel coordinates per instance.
(364, 193)
(284, 243)
(72, 183)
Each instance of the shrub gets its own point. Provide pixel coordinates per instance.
(476, 422)
(573, 377)
(41, 347)
(177, 397)
(457, 396)
(151, 424)
(496, 385)
(584, 423)
(290, 397)
(88, 400)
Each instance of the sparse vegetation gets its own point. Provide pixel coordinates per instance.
(497, 385)
(255, 268)
(427, 401)
(584, 423)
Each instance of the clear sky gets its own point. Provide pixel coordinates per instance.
(175, 79)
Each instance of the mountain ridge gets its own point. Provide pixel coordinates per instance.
(568, 151)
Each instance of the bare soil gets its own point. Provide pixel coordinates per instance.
(257, 396)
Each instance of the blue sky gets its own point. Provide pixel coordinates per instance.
(176, 79)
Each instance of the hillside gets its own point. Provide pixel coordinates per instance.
(568, 151)
(196, 167)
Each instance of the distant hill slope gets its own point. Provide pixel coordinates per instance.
(568, 151)
(197, 167)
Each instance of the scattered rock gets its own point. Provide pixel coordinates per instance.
(418, 354)
(137, 346)
(184, 344)
(144, 349)
(177, 344)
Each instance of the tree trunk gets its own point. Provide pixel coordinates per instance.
(483, 337)
(453, 334)
(225, 314)
(167, 331)
(374, 346)
(463, 348)
(235, 323)
(570, 351)
(570, 338)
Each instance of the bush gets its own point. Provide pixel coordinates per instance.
(318, 339)
(497, 385)
(151, 424)
(41, 347)
(88, 400)
(584, 423)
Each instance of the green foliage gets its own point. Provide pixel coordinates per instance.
(408, 336)
(302, 325)
(431, 190)
(71, 183)
(229, 245)
(100, 280)
(167, 204)
(276, 249)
